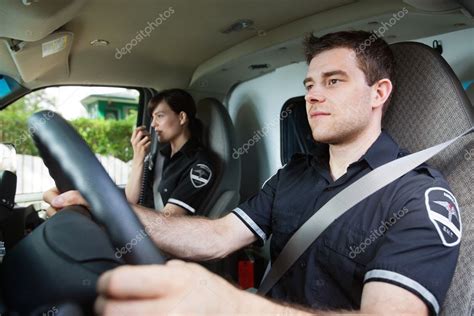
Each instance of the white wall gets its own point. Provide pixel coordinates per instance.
(458, 50)
(254, 104)
(259, 101)
(33, 176)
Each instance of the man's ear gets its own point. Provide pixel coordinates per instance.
(381, 91)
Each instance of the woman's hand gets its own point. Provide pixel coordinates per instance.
(141, 146)
(141, 142)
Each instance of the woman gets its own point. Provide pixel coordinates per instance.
(185, 175)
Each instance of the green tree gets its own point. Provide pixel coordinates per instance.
(39, 100)
(105, 137)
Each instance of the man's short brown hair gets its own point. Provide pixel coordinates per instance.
(373, 54)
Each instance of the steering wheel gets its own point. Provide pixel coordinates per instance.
(74, 166)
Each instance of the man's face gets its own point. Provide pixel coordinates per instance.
(338, 98)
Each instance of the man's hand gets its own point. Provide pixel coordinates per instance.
(57, 201)
(189, 289)
(175, 288)
(141, 142)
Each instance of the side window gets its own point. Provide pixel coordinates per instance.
(295, 131)
(469, 87)
(103, 116)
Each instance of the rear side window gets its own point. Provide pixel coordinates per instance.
(295, 131)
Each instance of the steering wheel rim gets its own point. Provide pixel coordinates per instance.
(74, 166)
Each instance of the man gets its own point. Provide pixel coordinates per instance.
(384, 255)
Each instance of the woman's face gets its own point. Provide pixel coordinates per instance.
(167, 124)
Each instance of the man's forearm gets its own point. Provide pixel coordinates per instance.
(185, 237)
(254, 304)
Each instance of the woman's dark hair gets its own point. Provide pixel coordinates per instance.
(179, 101)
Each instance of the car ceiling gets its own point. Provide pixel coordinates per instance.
(188, 49)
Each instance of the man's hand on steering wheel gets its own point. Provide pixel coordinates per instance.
(176, 288)
(58, 201)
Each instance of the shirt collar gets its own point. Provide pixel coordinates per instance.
(188, 148)
(383, 150)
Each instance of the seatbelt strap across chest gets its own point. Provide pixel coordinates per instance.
(158, 201)
(342, 202)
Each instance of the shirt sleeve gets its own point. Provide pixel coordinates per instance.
(194, 187)
(255, 213)
(420, 249)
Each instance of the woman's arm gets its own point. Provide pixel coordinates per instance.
(141, 142)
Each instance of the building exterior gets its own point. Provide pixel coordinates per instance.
(113, 106)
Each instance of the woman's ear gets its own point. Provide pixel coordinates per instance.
(183, 118)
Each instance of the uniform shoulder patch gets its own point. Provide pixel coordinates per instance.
(443, 211)
(200, 175)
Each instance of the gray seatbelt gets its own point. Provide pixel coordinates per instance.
(342, 202)
(158, 201)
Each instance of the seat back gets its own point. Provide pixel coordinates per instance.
(428, 107)
(219, 137)
(470, 93)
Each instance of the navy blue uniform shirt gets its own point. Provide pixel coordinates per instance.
(406, 234)
(187, 176)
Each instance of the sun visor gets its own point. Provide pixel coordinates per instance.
(36, 59)
(32, 20)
